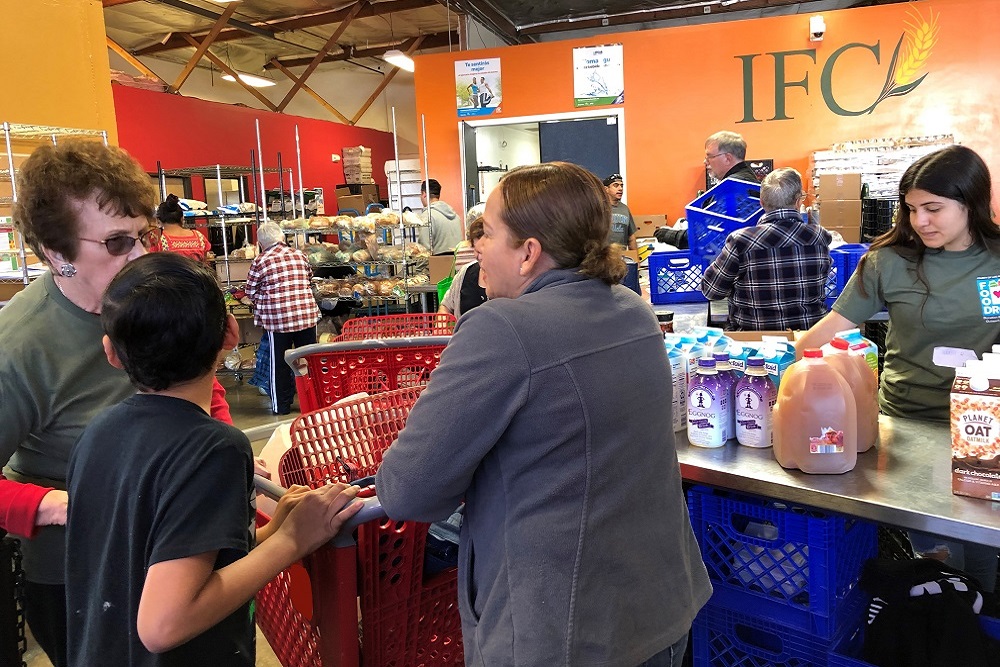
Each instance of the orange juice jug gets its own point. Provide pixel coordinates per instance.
(864, 385)
(815, 418)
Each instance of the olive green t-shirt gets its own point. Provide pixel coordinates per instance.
(961, 311)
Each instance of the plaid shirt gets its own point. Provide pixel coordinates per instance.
(774, 274)
(279, 283)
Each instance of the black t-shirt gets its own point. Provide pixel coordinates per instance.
(153, 479)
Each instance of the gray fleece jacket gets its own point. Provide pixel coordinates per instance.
(444, 231)
(550, 415)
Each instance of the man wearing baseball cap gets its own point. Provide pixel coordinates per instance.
(622, 223)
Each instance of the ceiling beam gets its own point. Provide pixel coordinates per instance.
(296, 23)
(229, 70)
(115, 3)
(432, 41)
(203, 47)
(316, 96)
(485, 13)
(411, 46)
(318, 58)
(665, 14)
(133, 61)
(214, 16)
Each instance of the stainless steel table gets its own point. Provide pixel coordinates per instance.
(904, 481)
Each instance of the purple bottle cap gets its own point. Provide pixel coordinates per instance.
(706, 362)
(755, 361)
(721, 356)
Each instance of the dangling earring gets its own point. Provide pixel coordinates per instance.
(67, 270)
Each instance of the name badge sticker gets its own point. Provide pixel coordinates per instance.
(988, 289)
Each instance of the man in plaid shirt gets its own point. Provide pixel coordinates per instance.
(774, 274)
(279, 283)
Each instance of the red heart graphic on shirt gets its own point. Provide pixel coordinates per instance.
(996, 293)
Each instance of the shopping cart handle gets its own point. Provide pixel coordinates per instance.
(371, 510)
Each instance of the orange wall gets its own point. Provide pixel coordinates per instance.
(58, 71)
(682, 84)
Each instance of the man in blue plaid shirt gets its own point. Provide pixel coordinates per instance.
(774, 274)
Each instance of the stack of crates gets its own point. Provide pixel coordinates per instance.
(876, 217)
(845, 261)
(675, 277)
(784, 577)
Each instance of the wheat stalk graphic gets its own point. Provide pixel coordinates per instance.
(921, 36)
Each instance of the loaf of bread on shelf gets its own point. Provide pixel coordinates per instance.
(411, 219)
(387, 219)
(319, 222)
(361, 256)
(363, 223)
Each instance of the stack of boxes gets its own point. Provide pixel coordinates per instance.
(840, 205)
(358, 164)
(784, 579)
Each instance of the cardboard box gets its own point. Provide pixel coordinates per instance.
(839, 186)
(975, 437)
(351, 202)
(645, 225)
(439, 267)
(756, 336)
(369, 192)
(850, 234)
(238, 269)
(840, 213)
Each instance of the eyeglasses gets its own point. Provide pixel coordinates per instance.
(712, 157)
(122, 244)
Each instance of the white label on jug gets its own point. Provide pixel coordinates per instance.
(830, 442)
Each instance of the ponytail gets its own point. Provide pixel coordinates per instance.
(603, 261)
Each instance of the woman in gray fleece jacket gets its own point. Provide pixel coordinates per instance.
(549, 414)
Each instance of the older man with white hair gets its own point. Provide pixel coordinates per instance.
(279, 283)
(774, 274)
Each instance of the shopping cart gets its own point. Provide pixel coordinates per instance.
(309, 613)
(398, 326)
(328, 372)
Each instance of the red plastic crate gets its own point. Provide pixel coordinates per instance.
(328, 372)
(405, 620)
(397, 326)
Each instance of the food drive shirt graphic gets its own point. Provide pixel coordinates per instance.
(989, 297)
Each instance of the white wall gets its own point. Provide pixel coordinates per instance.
(345, 88)
(505, 146)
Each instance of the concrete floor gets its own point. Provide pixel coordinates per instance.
(250, 410)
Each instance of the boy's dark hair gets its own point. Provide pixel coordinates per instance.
(166, 318)
(434, 186)
(170, 210)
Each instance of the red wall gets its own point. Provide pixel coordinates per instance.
(188, 132)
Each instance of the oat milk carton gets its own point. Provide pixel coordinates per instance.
(975, 431)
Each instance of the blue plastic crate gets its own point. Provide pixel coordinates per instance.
(845, 651)
(800, 566)
(845, 261)
(675, 277)
(712, 217)
(723, 637)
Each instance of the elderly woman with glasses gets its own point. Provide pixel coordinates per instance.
(86, 210)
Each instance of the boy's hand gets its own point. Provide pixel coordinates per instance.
(318, 515)
(291, 498)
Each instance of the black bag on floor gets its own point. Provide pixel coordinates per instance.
(12, 644)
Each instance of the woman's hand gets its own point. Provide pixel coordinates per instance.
(52, 509)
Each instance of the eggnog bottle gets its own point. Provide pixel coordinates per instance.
(815, 418)
(864, 386)
(707, 406)
(755, 397)
(728, 376)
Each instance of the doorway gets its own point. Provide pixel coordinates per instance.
(593, 139)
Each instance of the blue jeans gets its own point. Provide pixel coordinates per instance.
(671, 657)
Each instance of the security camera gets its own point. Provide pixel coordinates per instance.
(817, 28)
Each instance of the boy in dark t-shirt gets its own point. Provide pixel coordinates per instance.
(159, 567)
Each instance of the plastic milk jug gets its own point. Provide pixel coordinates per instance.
(728, 375)
(754, 405)
(707, 406)
(678, 393)
(864, 385)
(815, 418)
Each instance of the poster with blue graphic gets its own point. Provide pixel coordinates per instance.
(598, 75)
(477, 87)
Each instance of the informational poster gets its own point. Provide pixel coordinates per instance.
(477, 87)
(598, 75)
